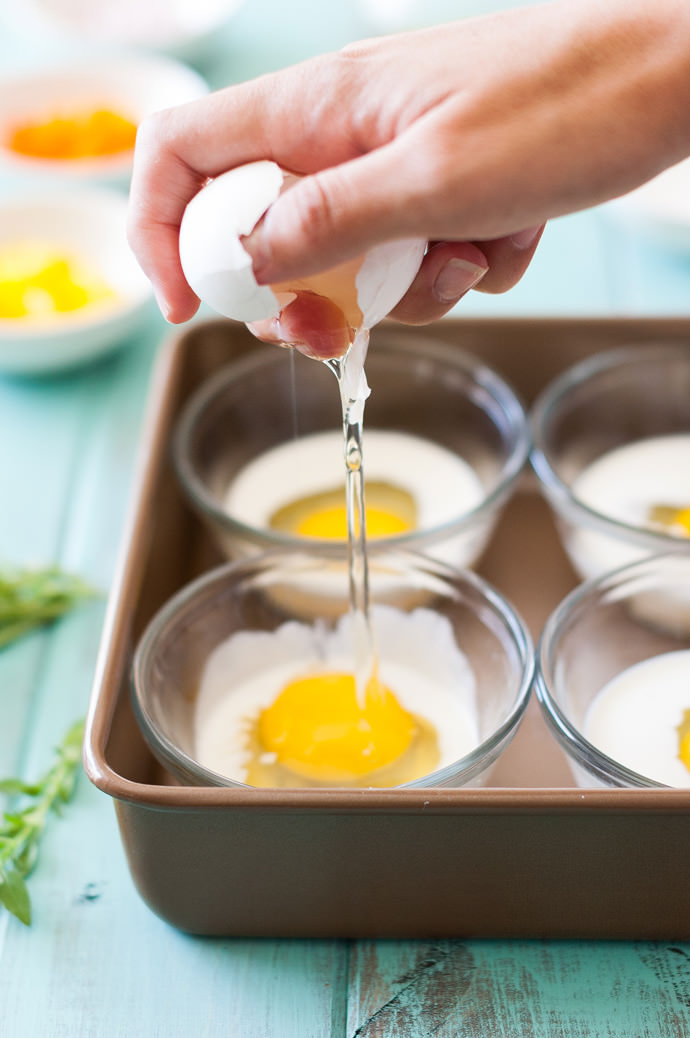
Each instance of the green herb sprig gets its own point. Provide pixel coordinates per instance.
(30, 598)
(21, 830)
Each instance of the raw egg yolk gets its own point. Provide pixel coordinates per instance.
(682, 519)
(389, 511)
(684, 750)
(675, 519)
(75, 135)
(35, 282)
(331, 524)
(317, 728)
(683, 731)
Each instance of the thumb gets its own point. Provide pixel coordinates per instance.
(332, 216)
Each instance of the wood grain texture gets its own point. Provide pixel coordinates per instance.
(454, 989)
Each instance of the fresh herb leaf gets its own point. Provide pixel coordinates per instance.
(21, 830)
(14, 894)
(32, 597)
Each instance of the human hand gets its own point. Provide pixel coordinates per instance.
(465, 135)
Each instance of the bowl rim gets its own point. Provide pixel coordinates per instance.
(385, 343)
(472, 764)
(588, 755)
(556, 489)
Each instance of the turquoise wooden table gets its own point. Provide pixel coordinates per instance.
(96, 961)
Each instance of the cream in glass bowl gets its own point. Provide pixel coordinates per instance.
(259, 452)
(613, 676)
(231, 686)
(611, 450)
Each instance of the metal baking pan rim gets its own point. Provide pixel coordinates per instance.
(460, 800)
(482, 800)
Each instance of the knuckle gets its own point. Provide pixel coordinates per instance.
(314, 209)
(151, 132)
(438, 166)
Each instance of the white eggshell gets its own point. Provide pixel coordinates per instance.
(219, 268)
(213, 259)
(386, 274)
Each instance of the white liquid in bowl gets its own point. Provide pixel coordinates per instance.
(624, 485)
(418, 660)
(638, 718)
(441, 484)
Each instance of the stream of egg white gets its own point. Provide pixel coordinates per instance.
(293, 394)
(364, 650)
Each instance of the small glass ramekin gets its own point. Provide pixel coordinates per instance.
(598, 631)
(607, 401)
(264, 591)
(421, 387)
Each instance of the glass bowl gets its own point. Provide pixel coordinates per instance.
(457, 410)
(637, 616)
(456, 630)
(635, 399)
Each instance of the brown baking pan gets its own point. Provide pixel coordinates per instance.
(528, 856)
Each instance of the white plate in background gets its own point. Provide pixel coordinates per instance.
(176, 27)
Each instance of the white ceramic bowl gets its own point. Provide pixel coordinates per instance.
(132, 85)
(89, 225)
(178, 27)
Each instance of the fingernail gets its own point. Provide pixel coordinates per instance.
(455, 278)
(523, 239)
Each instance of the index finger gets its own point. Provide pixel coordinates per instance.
(281, 116)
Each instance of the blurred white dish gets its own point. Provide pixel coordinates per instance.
(660, 209)
(386, 16)
(132, 86)
(88, 224)
(177, 27)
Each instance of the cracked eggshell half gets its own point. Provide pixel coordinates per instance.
(219, 269)
(214, 261)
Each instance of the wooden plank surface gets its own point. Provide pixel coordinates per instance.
(453, 989)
